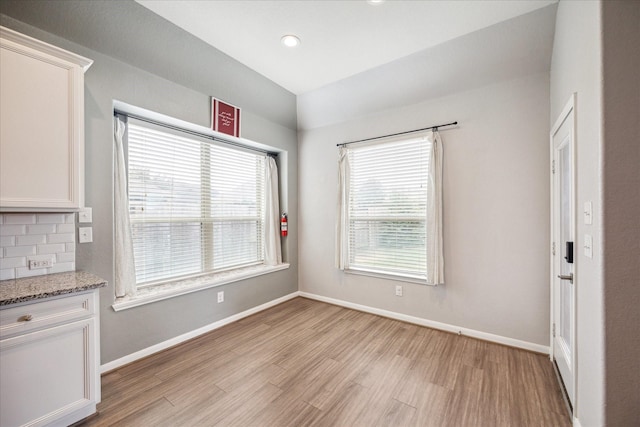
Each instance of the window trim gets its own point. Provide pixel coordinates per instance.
(421, 280)
(207, 258)
(138, 113)
(184, 286)
(150, 294)
(374, 272)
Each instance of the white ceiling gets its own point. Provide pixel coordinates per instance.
(339, 38)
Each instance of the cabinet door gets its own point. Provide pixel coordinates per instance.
(41, 130)
(48, 376)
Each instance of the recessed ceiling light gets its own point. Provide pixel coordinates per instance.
(290, 40)
(375, 1)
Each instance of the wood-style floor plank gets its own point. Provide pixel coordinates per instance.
(307, 363)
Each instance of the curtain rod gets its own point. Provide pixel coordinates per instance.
(117, 112)
(396, 134)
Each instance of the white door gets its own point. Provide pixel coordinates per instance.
(563, 248)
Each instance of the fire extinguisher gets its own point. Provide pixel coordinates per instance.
(284, 225)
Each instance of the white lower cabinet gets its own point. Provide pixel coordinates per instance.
(49, 361)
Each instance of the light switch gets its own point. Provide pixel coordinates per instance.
(85, 234)
(588, 213)
(588, 246)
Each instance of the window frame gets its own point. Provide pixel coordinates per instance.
(126, 300)
(381, 271)
(207, 257)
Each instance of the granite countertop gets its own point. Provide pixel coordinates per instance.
(37, 287)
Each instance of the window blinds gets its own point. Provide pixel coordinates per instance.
(195, 206)
(387, 207)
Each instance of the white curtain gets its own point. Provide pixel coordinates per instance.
(341, 209)
(125, 279)
(272, 247)
(435, 257)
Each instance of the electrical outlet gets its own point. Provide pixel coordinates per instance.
(43, 263)
(85, 234)
(398, 290)
(85, 215)
(221, 296)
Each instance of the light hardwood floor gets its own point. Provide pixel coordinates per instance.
(307, 363)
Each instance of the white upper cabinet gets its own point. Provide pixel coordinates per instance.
(41, 125)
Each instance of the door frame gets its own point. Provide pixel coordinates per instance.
(562, 117)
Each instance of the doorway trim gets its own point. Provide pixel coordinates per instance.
(562, 117)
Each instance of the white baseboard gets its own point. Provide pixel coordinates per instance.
(115, 364)
(512, 342)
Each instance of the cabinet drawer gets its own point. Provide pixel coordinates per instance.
(29, 317)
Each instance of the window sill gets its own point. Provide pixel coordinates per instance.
(174, 289)
(388, 276)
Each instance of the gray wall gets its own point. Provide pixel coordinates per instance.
(185, 96)
(621, 207)
(133, 34)
(496, 211)
(576, 67)
(595, 55)
(514, 48)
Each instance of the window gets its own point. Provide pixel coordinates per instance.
(387, 207)
(389, 216)
(195, 207)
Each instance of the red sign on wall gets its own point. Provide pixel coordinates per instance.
(225, 117)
